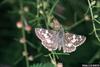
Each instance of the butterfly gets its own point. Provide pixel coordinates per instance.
(53, 40)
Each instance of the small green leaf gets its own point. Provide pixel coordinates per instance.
(43, 65)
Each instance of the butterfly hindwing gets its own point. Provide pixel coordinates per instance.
(47, 37)
(72, 41)
(69, 48)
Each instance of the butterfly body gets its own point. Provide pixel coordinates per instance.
(53, 40)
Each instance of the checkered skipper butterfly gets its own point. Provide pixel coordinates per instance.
(53, 40)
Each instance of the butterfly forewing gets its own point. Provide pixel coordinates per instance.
(48, 38)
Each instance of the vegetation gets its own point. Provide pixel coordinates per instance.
(19, 45)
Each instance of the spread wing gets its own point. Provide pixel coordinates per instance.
(72, 41)
(48, 38)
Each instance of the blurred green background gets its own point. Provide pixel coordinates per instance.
(68, 12)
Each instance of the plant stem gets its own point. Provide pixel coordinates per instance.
(95, 56)
(95, 32)
(74, 25)
(77, 22)
(23, 33)
(52, 9)
(90, 10)
(37, 15)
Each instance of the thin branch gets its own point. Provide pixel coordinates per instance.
(95, 56)
(94, 27)
(52, 9)
(74, 25)
(95, 32)
(23, 32)
(97, 21)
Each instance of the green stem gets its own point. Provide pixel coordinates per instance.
(37, 15)
(58, 54)
(31, 44)
(54, 58)
(94, 29)
(23, 33)
(25, 47)
(77, 23)
(95, 32)
(95, 56)
(52, 9)
(97, 21)
(74, 25)
(90, 10)
(18, 60)
(50, 13)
